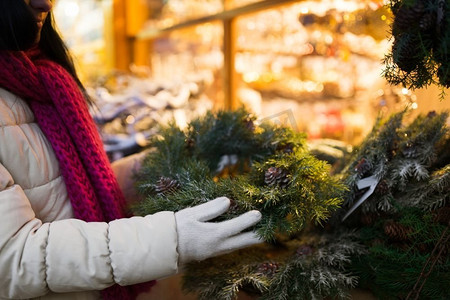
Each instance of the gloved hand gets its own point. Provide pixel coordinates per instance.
(199, 239)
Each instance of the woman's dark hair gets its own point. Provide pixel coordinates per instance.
(18, 27)
(55, 49)
(18, 32)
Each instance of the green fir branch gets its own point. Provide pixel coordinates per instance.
(317, 274)
(419, 55)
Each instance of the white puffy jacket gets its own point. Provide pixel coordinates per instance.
(44, 252)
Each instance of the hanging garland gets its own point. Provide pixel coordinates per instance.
(263, 167)
(420, 53)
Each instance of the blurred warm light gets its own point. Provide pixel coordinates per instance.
(267, 77)
(251, 26)
(310, 86)
(130, 119)
(251, 77)
(71, 9)
(328, 39)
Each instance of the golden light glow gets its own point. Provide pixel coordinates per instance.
(130, 119)
(251, 77)
(71, 9)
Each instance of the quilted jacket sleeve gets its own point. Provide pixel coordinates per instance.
(72, 255)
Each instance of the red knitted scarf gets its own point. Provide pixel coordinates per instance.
(62, 114)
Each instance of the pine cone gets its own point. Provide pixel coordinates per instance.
(190, 143)
(382, 188)
(166, 186)
(304, 250)
(286, 148)
(234, 207)
(249, 124)
(268, 268)
(363, 167)
(276, 176)
(396, 231)
(442, 215)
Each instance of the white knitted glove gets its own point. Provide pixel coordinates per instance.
(199, 239)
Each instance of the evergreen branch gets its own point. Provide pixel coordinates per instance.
(432, 259)
(435, 192)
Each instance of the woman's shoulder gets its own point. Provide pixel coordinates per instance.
(13, 110)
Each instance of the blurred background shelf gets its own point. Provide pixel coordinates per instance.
(315, 65)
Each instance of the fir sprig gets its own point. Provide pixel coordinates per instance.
(318, 272)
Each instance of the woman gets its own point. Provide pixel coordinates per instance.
(63, 231)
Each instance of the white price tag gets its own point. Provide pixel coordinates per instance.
(371, 182)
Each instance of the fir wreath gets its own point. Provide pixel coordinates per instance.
(396, 243)
(420, 54)
(264, 167)
(405, 224)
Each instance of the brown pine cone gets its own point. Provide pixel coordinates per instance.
(190, 143)
(249, 124)
(234, 207)
(268, 268)
(287, 148)
(363, 166)
(166, 186)
(304, 250)
(396, 231)
(276, 177)
(382, 188)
